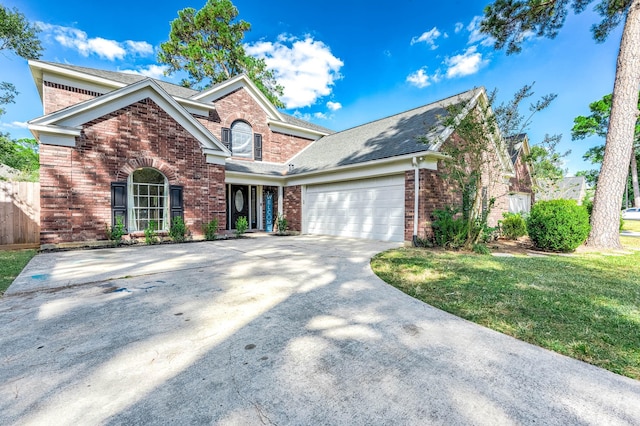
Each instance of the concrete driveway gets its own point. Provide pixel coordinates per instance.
(269, 330)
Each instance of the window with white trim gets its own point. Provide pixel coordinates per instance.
(241, 139)
(148, 202)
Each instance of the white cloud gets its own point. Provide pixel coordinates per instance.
(140, 47)
(74, 38)
(320, 115)
(428, 37)
(15, 125)
(306, 68)
(301, 116)
(459, 26)
(153, 71)
(466, 63)
(475, 36)
(334, 106)
(420, 79)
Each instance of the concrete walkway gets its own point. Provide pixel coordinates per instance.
(293, 330)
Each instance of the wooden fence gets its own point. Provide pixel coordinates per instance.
(19, 213)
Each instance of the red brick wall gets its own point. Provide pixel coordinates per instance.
(57, 96)
(522, 181)
(239, 105)
(76, 182)
(436, 193)
(292, 207)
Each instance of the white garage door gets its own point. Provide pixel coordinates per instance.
(369, 208)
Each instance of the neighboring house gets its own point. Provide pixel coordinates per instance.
(521, 194)
(115, 144)
(568, 188)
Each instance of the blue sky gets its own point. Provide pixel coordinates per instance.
(343, 63)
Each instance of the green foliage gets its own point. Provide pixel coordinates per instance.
(115, 233)
(558, 225)
(178, 231)
(281, 224)
(150, 234)
(449, 231)
(210, 229)
(511, 22)
(21, 155)
(208, 46)
(18, 35)
(513, 226)
(12, 262)
(481, 249)
(241, 225)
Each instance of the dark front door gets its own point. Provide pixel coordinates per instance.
(238, 203)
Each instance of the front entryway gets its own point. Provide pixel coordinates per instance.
(242, 200)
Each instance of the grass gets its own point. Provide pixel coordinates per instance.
(585, 306)
(11, 263)
(631, 225)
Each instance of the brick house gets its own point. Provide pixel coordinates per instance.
(521, 184)
(122, 145)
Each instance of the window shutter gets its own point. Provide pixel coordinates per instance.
(176, 205)
(257, 147)
(119, 202)
(226, 137)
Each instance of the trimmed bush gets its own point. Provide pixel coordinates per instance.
(241, 226)
(210, 229)
(448, 231)
(558, 225)
(178, 231)
(513, 226)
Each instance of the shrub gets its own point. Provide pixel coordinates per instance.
(448, 231)
(481, 249)
(241, 225)
(116, 232)
(513, 226)
(178, 230)
(558, 225)
(150, 234)
(210, 230)
(281, 223)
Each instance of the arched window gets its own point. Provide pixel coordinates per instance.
(148, 200)
(241, 139)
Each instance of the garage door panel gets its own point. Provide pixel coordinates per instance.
(369, 208)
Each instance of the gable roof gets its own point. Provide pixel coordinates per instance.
(63, 126)
(388, 137)
(199, 101)
(515, 145)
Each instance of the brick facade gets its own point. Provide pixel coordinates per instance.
(436, 194)
(56, 96)
(522, 181)
(292, 207)
(75, 182)
(239, 105)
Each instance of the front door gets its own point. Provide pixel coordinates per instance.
(238, 204)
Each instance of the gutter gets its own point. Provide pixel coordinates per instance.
(416, 199)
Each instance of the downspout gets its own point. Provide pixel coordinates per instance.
(416, 199)
(280, 195)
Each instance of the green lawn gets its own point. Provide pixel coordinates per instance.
(631, 225)
(11, 263)
(585, 306)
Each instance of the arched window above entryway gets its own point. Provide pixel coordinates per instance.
(242, 141)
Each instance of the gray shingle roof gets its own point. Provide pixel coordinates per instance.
(298, 122)
(568, 188)
(255, 167)
(126, 78)
(388, 137)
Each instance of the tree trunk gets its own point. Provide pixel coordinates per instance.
(634, 180)
(605, 218)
